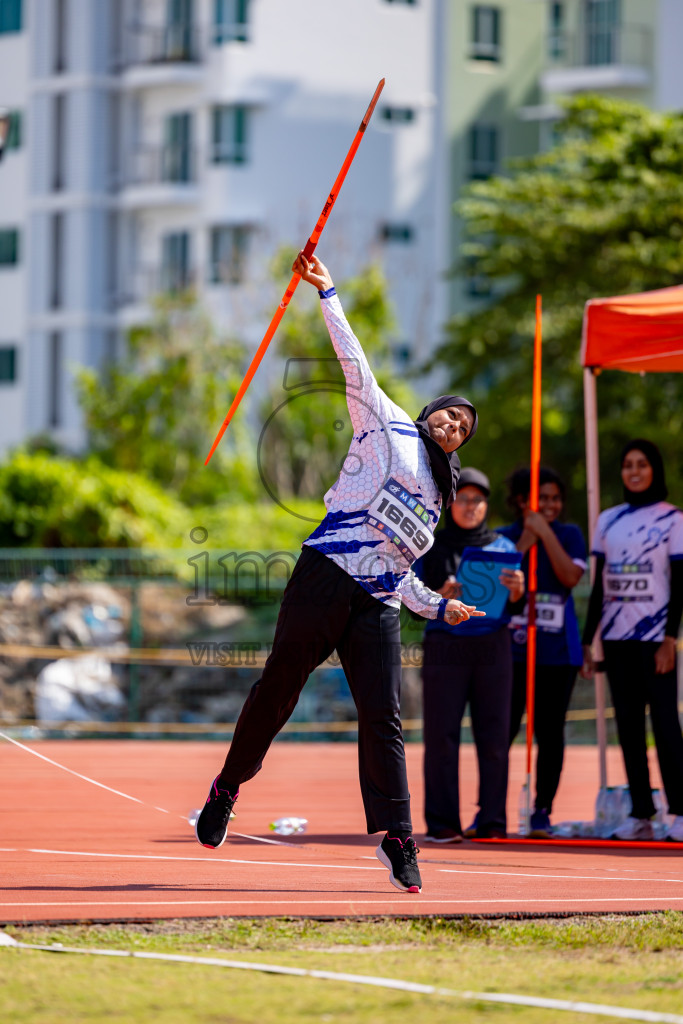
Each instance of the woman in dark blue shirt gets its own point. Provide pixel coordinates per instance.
(561, 564)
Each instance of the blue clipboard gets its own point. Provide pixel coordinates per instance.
(478, 573)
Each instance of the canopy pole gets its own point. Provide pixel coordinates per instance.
(532, 573)
(590, 402)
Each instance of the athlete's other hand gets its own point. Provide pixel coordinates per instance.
(665, 656)
(588, 667)
(313, 271)
(457, 612)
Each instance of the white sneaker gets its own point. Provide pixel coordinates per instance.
(676, 831)
(635, 828)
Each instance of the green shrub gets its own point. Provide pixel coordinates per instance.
(60, 502)
(262, 526)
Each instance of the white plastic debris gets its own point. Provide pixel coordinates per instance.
(78, 690)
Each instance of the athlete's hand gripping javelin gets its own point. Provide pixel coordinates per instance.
(316, 273)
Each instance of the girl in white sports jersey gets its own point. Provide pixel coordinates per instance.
(347, 587)
(637, 599)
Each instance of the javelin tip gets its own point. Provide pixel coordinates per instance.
(373, 103)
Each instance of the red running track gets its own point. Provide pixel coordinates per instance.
(70, 851)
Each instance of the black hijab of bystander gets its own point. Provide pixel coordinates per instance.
(457, 538)
(657, 491)
(445, 468)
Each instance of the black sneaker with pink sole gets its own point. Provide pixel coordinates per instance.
(400, 856)
(211, 826)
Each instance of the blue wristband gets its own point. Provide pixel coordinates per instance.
(441, 614)
(328, 294)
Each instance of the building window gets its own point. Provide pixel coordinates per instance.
(178, 40)
(602, 20)
(177, 150)
(54, 382)
(8, 364)
(58, 139)
(111, 347)
(9, 247)
(60, 36)
(477, 285)
(398, 115)
(230, 21)
(402, 355)
(556, 40)
(483, 152)
(14, 132)
(228, 254)
(396, 233)
(175, 261)
(57, 261)
(10, 16)
(486, 34)
(229, 135)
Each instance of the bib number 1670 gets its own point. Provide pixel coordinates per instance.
(405, 525)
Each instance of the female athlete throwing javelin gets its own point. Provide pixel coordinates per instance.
(347, 587)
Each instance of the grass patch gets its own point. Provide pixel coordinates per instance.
(627, 961)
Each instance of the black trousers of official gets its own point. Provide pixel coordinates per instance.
(553, 690)
(634, 684)
(323, 608)
(456, 670)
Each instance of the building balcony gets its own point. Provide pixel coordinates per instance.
(142, 286)
(599, 58)
(160, 55)
(160, 176)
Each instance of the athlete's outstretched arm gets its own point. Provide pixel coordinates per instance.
(363, 394)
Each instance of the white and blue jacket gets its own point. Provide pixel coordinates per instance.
(387, 468)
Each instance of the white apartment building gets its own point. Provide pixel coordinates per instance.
(161, 143)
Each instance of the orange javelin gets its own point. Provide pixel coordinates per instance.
(309, 249)
(532, 586)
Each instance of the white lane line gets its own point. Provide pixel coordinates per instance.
(568, 878)
(598, 1009)
(337, 867)
(211, 860)
(126, 796)
(522, 902)
(85, 778)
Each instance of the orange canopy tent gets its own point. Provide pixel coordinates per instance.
(640, 333)
(637, 333)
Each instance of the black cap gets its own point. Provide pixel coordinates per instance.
(474, 478)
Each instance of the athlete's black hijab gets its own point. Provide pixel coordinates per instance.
(445, 467)
(657, 491)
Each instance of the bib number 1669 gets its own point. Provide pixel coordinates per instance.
(405, 525)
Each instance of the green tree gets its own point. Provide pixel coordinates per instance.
(157, 411)
(599, 214)
(307, 431)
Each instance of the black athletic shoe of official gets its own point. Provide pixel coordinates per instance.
(400, 856)
(211, 826)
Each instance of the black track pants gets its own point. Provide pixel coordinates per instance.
(634, 684)
(554, 685)
(456, 670)
(323, 608)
